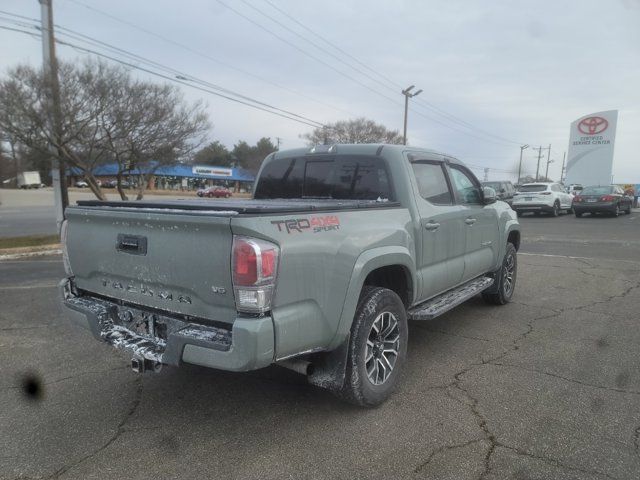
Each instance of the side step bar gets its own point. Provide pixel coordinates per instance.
(446, 301)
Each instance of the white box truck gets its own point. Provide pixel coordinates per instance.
(29, 180)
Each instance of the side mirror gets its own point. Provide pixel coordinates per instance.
(489, 195)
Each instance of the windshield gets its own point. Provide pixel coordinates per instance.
(596, 190)
(532, 188)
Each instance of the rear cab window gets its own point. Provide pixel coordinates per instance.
(342, 177)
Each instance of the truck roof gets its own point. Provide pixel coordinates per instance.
(358, 149)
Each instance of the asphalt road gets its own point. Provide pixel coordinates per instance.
(547, 387)
(31, 212)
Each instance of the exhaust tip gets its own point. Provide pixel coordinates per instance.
(141, 365)
(137, 365)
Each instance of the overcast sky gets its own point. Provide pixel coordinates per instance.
(514, 72)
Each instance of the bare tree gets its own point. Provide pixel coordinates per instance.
(107, 115)
(149, 126)
(359, 130)
(24, 110)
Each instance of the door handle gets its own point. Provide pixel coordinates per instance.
(432, 226)
(470, 221)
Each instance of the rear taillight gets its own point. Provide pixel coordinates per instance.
(607, 198)
(577, 199)
(254, 267)
(65, 254)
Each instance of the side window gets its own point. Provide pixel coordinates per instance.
(432, 183)
(466, 189)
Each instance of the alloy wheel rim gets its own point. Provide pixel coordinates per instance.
(508, 274)
(383, 345)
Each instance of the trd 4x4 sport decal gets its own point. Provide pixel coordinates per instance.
(313, 224)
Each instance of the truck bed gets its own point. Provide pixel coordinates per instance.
(250, 207)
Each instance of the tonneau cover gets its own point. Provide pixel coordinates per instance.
(244, 206)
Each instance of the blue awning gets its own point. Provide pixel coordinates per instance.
(180, 170)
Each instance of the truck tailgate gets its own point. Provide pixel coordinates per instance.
(171, 260)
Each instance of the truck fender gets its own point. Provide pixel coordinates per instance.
(367, 262)
(510, 226)
(330, 369)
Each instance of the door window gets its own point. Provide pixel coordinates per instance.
(466, 188)
(432, 183)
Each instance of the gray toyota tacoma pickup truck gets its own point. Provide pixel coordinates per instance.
(318, 272)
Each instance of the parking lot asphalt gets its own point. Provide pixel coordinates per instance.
(546, 387)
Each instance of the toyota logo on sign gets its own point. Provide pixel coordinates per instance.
(593, 125)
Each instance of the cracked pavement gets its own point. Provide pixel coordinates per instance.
(547, 387)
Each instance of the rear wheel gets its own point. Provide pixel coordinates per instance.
(506, 278)
(210, 195)
(377, 347)
(556, 209)
(578, 214)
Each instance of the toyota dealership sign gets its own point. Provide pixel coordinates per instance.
(590, 159)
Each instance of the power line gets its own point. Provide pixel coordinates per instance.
(180, 75)
(167, 77)
(393, 84)
(304, 52)
(464, 124)
(209, 57)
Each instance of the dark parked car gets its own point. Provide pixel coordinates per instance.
(114, 184)
(609, 199)
(218, 192)
(504, 190)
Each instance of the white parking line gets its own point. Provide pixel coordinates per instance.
(27, 287)
(39, 253)
(575, 258)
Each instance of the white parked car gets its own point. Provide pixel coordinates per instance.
(542, 197)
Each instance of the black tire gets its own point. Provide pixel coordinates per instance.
(504, 291)
(569, 211)
(359, 388)
(556, 210)
(578, 214)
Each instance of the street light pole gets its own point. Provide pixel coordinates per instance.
(50, 70)
(523, 147)
(407, 95)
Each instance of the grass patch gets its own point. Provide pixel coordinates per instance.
(29, 241)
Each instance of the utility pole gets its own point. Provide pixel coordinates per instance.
(278, 140)
(548, 161)
(50, 68)
(547, 171)
(523, 147)
(486, 175)
(407, 95)
(564, 156)
(539, 157)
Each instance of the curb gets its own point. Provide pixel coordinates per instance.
(22, 252)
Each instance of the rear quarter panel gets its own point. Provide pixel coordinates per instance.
(318, 255)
